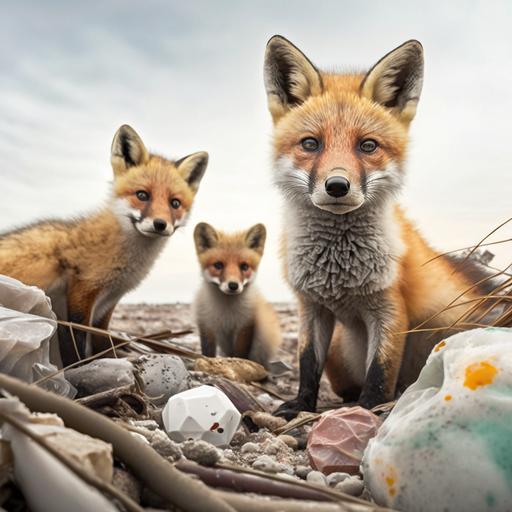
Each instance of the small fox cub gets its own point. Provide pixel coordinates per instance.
(354, 260)
(90, 262)
(230, 312)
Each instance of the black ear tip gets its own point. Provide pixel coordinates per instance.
(277, 40)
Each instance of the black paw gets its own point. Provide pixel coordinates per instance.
(370, 400)
(290, 409)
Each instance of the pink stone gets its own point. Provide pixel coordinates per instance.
(338, 439)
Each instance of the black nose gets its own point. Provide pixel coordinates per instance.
(337, 186)
(159, 224)
(233, 286)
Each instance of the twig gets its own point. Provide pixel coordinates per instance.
(145, 463)
(72, 465)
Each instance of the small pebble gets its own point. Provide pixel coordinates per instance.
(265, 399)
(336, 478)
(353, 486)
(315, 477)
(288, 469)
(302, 471)
(239, 438)
(273, 446)
(164, 446)
(289, 441)
(250, 448)
(267, 464)
(201, 452)
(229, 454)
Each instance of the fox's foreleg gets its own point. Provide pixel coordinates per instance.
(386, 325)
(316, 328)
(80, 304)
(208, 343)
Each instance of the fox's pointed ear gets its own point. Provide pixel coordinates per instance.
(205, 237)
(192, 168)
(396, 80)
(255, 238)
(290, 77)
(127, 150)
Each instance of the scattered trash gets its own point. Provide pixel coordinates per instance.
(201, 413)
(27, 324)
(337, 441)
(446, 444)
(37, 471)
(232, 368)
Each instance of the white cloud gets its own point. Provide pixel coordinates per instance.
(189, 77)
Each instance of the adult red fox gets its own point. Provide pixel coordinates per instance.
(351, 256)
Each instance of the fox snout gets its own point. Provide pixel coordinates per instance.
(337, 186)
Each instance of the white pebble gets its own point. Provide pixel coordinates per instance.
(353, 486)
(250, 448)
(267, 464)
(336, 478)
(315, 477)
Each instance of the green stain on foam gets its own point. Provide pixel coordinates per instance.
(490, 500)
(496, 436)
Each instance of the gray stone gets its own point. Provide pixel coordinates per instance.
(162, 376)
(201, 452)
(336, 478)
(164, 446)
(101, 375)
(315, 477)
(250, 448)
(302, 471)
(267, 464)
(353, 486)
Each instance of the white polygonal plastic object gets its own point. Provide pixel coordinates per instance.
(447, 444)
(201, 413)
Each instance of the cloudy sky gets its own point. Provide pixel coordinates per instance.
(188, 76)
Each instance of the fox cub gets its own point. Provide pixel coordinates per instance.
(230, 312)
(354, 260)
(88, 263)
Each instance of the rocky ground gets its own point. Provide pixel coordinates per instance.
(151, 318)
(284, 455)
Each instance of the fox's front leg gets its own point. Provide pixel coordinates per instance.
(208, 343)
(386, 342)
(80, 303)
(316, 328)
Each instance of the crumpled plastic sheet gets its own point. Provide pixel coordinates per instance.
(27, 324)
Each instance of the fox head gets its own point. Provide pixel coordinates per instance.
(153, 193)
(340, 140)
(229, 261)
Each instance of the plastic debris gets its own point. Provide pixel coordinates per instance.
(27, 324)
(454, 424)
(203, 413)
(337, 441)
(46, 483)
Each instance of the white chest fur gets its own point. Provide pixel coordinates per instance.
(338, 258)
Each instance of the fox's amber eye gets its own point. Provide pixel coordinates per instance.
(175, 203)
(368, 145)
(244, 267)
(310, 144)
(218, 265)
(142, 195)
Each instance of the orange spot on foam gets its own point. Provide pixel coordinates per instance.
(392, 491)
(390, 481)
(447, 397)
(479, 374)
(439, 346)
